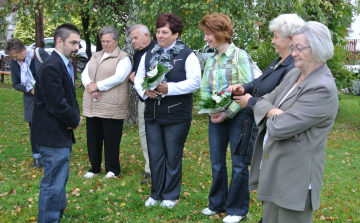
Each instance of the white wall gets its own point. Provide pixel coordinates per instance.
(354, 29)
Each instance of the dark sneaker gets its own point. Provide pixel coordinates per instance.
(147, 177)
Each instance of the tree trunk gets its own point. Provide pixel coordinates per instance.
(39, 26)
(85, 19)
(132, 116)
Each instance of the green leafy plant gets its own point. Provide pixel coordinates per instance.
(161, 70)
(217, 100)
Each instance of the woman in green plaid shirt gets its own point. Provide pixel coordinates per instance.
(222, 70)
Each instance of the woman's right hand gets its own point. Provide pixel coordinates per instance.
(236, 89)
(151, 93)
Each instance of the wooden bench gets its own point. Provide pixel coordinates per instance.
(5, 67)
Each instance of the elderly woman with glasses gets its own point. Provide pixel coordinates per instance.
(282, 27)
(294, 121)
(105, 102)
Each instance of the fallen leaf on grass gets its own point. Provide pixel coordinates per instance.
(122, 205)
(75, 191)
(97, 185)
(123, 184)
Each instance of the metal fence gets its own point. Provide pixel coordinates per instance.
(353, 48)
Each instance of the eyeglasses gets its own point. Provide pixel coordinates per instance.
(297, 49)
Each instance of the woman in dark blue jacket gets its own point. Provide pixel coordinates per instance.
(25, 64)
(250, 93)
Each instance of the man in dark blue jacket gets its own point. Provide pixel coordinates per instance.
(56, 115)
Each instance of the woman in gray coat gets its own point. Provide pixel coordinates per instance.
(294, 121)
(24, 65)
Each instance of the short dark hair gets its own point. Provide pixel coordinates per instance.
(13, 44)
(63, 31)
(175, 23)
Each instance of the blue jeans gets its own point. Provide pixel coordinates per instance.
(235, 199)
(52, 198)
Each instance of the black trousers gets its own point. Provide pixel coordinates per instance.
(107, 132)
(165, 147)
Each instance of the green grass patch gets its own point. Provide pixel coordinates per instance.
(122, 199)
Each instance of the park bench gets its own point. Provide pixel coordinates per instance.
(5, 67)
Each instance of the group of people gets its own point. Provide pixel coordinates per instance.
(278, 123)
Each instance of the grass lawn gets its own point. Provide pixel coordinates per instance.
(122, 199)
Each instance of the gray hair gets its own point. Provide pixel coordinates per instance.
(13, 44)
(319, 38)
(112, 30)
(143, 29)
(286, 24)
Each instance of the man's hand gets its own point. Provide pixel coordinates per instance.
(242, 100)
(32, 91)
(90, 88)
(274, 111)
(236, 89)
(132, 77)
(218, 117)
(162, 88)
(79, 125)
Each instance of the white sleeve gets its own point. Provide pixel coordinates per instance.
(85, 78)
(193, 78)
(139, 78)
(123, 70)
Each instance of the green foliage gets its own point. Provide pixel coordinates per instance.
(209, 102)
(161, 70)
(251, 20)
(343, 77)
(25, 27)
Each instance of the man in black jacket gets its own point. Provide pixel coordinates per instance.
(142, 42)
(56, 115)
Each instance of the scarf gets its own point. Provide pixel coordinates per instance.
(158, 55)
(27, 78)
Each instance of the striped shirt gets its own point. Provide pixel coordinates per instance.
(221, 71)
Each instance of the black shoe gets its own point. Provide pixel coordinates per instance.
(147, 177)
(37, 162)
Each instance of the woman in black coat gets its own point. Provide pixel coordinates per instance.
(25, 63)
(250, 93)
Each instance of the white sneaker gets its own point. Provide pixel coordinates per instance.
(90, 175)
(110, 175)
(233, 218)
(207, 211)
(168, 203)
(151, 202)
